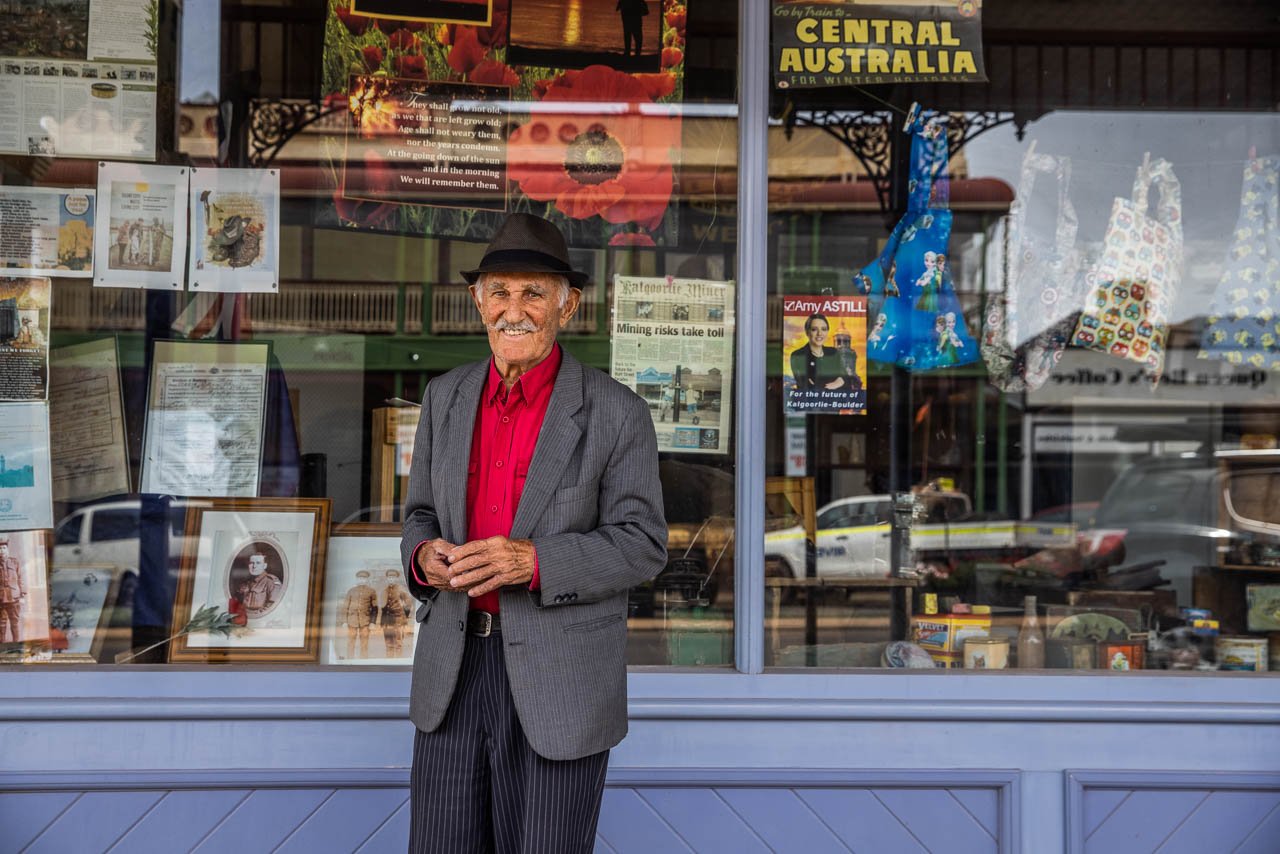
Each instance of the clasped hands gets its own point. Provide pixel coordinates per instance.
(477, 567)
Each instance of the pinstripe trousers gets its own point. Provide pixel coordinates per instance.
(479, 788)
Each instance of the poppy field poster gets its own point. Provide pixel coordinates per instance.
(450, 126)
(235, 230)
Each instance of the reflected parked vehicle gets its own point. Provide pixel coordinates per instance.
(853, 535)
(107, 534)
(1197, 510)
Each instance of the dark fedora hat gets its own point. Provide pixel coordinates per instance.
(527, 244)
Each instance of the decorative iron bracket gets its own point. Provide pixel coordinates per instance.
(868, 134)
(273, 123)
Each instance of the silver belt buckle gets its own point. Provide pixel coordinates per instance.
(487, 622)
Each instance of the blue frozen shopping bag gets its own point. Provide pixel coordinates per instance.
(914, 313)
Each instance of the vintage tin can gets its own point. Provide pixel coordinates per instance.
(1122, 655)
(930, 604)
(1071, 654)
(986, 653)
(1240, 653)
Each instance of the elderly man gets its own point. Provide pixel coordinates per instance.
(533, 506)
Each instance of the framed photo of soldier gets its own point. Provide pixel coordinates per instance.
(369, 616)
(24, 597)
(251, 579)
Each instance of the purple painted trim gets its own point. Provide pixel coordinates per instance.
(1079, 782)
(1006, 783)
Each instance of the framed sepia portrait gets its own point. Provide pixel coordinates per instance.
(82, 601)
(249, 587)
(369, 615)
(24, 597)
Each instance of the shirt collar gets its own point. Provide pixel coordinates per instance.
(532, 384)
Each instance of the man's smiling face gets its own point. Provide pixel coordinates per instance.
(523, 312)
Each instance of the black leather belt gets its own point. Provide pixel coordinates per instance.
(481, 624)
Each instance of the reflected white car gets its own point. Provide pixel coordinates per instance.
(106, 534)
(853, 540)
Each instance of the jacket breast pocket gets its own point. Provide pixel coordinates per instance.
(594, 625)
(584, 492)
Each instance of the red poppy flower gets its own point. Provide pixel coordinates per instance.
(355, 24)
(671, 57)
(335, 101)
(597, 83)
(411, 65)
(631, 238)
(618, 168)
(677, 17)
(402, 39)
(373, 57)
(658, 85)
(467, 52)
(494, 73)
(414, 26)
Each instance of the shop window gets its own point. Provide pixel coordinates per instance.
(239, 341)
(1020, 342)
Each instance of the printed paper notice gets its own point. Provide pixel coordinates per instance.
(142, 238)
(824, 354)
(24, 339)
(46, 231)
(86, 419)
(25, 501)
(673, 346)
(78, 78)
(204, 419)
(235, 228)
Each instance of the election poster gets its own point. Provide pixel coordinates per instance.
(673, 346)
(824, 354)
(819, 43)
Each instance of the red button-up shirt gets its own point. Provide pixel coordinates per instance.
(506, 431)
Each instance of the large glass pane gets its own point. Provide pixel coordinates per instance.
(1069, 442)
(230, 453)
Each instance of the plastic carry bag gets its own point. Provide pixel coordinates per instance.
(1133, 283)
(914, 314)
(1243, 326)
(1028, 326)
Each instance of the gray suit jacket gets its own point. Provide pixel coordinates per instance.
(592, 504)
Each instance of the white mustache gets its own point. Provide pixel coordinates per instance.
(523, 326)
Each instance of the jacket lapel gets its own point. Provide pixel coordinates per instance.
(459, 427)
(556, 441)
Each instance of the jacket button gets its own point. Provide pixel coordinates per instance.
(462, 626)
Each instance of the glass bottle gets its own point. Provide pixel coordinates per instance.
(1030, 637)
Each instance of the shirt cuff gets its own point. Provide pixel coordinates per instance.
(535, 583)
(413, 564)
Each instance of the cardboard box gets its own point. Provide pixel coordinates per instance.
(947, 661)
(946, 632)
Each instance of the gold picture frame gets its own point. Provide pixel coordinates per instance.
(250, 585)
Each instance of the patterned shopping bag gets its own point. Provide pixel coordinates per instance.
(1243, 326)
(914, 313)
(1133, 283)
(1028, 326)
